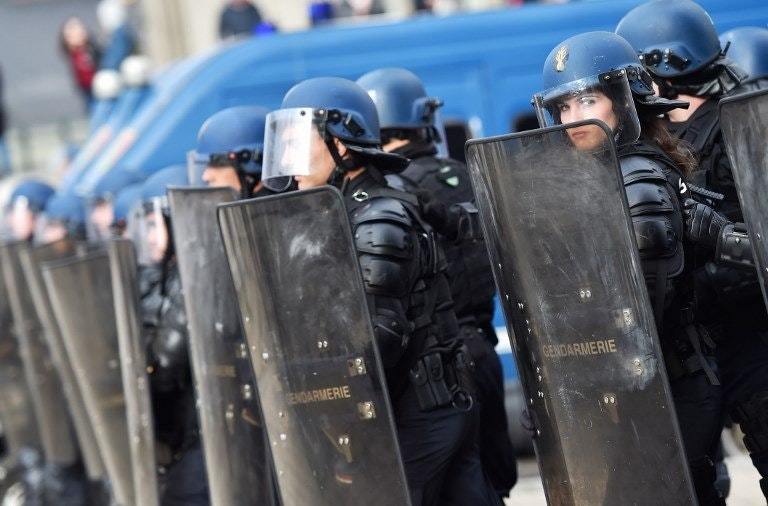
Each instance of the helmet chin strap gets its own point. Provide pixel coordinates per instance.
(338, 176)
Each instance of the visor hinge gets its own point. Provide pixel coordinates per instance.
(360, 196)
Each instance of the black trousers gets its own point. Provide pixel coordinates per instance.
(742, 355)
(441, 455)
(496, 450)
(699, 408)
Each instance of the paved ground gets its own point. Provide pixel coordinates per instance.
(745, 490)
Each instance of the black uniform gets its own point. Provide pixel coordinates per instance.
(416, 332)
(472, 289)
(731, 296)
(180, 453)
(651, 181)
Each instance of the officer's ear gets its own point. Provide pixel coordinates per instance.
(340, 148)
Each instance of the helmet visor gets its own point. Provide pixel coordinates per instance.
(605, 97)
(196, 165)
(99, 218)
(20, 221)
(292, 142)
(148, 230)
(49, 230)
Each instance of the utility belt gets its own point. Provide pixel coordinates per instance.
(690, 350)
(442, 377)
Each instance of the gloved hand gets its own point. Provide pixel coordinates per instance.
(703, 225)
(437, 213)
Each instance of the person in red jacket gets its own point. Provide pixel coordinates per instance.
(81, 53)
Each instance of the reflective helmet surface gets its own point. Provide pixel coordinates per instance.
(748, 49)
(400, 97)
(36, 194)
(234, 136)
(674, 38)
(358, 122)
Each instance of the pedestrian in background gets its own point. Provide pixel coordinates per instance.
(81, 53)
(239, 17)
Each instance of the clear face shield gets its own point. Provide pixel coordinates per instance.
(605, 97)
(294, 148)
(440, 136)
(20, 220)
(149, 232)
(99, 218)
(196, 165)
(49, 230)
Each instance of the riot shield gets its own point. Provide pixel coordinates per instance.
(133, 361)
(80, 289)
(16, 413)
(318, 374)
(568, 273)
(744, 122)
(48, 401)
(32, 260)
(236, 456)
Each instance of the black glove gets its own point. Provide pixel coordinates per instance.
(437, 213)
(703, 225)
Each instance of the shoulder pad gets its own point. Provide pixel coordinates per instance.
(639, 168)
(646, 186)
(382, 209)
(445, 170)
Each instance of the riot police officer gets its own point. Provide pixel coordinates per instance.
(596, 75)
(26, 203)
(123, 204)
(183, 480)
(748, 47)
(100, 209)
(679, 46)
(229, 150)
(63, 217)
(408, 127)
(327, 132)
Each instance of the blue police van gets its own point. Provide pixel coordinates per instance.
(485, 66)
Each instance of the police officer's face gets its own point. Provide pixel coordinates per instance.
(22, 222)
(74, 33)
(589, 105)
(52, 232)
(221, 177)
(321, 162)
(157, 237)
(102, 216)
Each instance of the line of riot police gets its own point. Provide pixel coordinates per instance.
(302, 314)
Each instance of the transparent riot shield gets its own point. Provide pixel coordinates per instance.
(568, 273)
(133, 361)
(236, 456)
(309, 333)
(31, 261)
(744, 122)
(16, 412)
(80, 289)
(48, 401)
